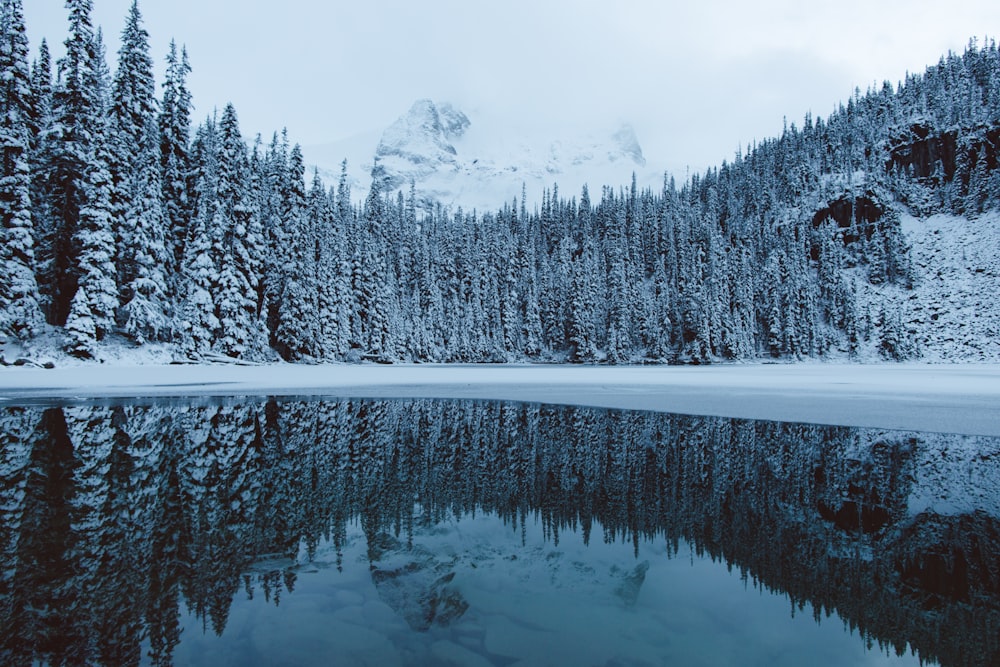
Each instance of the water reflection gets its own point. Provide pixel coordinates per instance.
(120, 524)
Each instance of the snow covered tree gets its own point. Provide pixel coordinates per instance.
(584, 306)
(271, 173)
(296, 331)
(20, 313)
(619, 295)
(332, 280)
(371, 283)
(238, 246)
(175, 134)
(92, 309)
(199, 322)
(892, 340)
(133, 107)
(72, 139)
(147, 309)
(142, 264)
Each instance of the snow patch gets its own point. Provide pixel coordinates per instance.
(954, 308)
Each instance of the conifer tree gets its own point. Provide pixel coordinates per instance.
(238, 246)
(174, 136)
(137, 204)
(371, 282)
(20, 313)
(92, 309)
(72, 138)
(199, 322)
(295, 334)
(40, 162)
(332, 282)
(583, 311)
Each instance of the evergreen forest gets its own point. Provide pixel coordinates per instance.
(125, 219)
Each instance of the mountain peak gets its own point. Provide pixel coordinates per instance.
(628, 144)
(478, 160)
(419, 143)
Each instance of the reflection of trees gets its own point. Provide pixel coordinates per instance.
(42, 600)
(112, 516)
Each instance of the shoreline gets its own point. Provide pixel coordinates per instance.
(947, 398)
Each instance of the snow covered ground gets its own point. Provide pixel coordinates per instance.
(954, 307)
(920, 397)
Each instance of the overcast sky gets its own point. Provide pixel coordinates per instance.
(696, 81)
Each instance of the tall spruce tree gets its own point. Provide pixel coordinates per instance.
(137, 206)
(176, 173)
(40, 162)
(199, 323)
(238, 245)
(371, 282)
(72, 138)
(332, 281)
(296, 331)
(20, 313)
(92, 308)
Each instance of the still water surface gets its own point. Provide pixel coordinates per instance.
(419, 532)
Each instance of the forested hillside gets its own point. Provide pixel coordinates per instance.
(123, 221)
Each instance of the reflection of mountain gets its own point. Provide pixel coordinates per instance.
(110, 516)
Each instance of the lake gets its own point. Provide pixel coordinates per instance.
(415, 532)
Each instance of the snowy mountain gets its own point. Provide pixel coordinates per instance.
(473, 160)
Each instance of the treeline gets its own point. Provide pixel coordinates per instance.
(115, 520)
(122, 220)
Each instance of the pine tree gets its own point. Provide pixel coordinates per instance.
(619, 291)
(20, 313)
(332, 281)
(238, 245)
(137, 210)
(132, 108)
(40, 163)
(371, 330)
(73, 137)
(199, 322)
(146, 312)
(92, 309)
(174, 135)
(296, 331)
(583, 312)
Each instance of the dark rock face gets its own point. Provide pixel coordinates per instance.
(937, 157)
(921, 150)
(856, 215)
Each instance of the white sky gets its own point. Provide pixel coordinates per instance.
(697, 81)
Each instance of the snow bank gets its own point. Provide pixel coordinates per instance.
(944, 398)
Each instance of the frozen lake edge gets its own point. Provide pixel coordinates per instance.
(948, 398)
